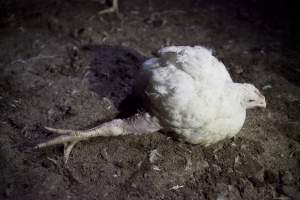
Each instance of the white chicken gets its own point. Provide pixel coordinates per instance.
(187, 91)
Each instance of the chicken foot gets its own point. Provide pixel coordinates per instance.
(141, 123)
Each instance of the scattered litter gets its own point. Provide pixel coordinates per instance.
(104, 154)
(266, 87)
(140, 164)
(188, 164)
(52, 160)
(156, 168)
(154, 156)
(237, 161)
(107, 103)
(13, 105)
(176, 187)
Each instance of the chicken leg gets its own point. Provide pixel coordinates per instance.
(141, 123)
(113, 9)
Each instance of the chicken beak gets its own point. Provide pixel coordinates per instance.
(262, 103)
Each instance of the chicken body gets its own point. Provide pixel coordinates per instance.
(193, 95)
(187, 91)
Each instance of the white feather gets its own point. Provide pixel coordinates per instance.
(192, 94)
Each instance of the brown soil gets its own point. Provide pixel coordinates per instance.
(63, 66)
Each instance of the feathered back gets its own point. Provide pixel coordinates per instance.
(197, 62)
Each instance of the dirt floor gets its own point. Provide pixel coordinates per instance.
(64, 66)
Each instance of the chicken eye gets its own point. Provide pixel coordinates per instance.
(251, 100)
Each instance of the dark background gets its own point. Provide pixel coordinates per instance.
(64, 66)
